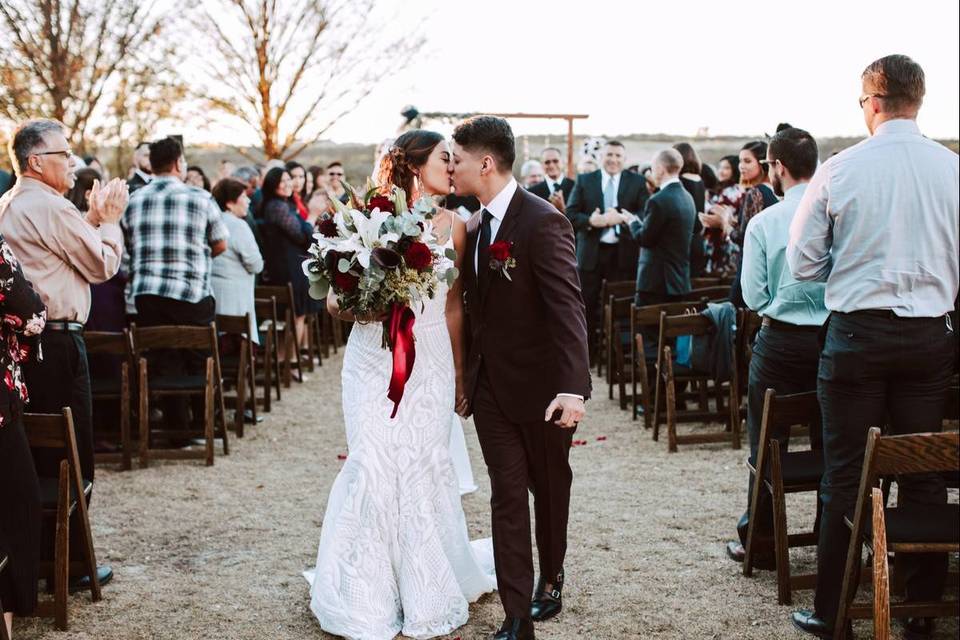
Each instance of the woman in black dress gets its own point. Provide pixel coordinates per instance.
(286, 238)
(23, 315)
(693, 183)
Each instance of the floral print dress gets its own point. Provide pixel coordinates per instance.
(22, 316)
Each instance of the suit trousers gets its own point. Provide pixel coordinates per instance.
(522, 456)
(877, 368)
(157, 311)
(786, 361)
(591, 282)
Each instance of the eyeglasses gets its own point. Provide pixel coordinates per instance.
(871, 95)
(66, 153)
(334, 174)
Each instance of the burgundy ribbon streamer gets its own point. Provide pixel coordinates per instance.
(400, 332)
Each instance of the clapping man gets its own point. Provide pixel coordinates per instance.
(556, 187)
(880, 224)
(62, 253)
(605, 248)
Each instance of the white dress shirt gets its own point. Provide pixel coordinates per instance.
(498, 209)
(609, 235)
(880, 224)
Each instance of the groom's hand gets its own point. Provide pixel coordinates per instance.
(571, 411)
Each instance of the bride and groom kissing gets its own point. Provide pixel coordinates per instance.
(505, 343)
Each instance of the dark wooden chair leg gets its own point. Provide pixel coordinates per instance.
(781, 545)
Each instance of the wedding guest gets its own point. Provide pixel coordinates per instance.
(786, 352)
(226, 169)
(879, 224)
(531, 173)
(757, 196)
(197, 178)
(556, 187)
(257, 197)
(20, 524)
(234, 271)
(286, 238)
(605, 248)
(142, 173)
(335, 177)
(92, 162)
(319, 204)
(172, 233)
(318, 178)
(250, 177)
(298, 182)
(62, 252)
(6, 181)
(691, 181)
(724, 196)
(709, 176)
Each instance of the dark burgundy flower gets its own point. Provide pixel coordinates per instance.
(500, 251)
(418, 256)
(346, 282)
(385, 258)
(381, 202)
(328, 228)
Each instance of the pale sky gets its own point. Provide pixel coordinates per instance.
(735, 67)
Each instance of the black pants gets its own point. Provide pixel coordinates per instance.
(876, 368)
(522, 456)
(786, 361)
(158, 311)
(62, 379)
(591, 282)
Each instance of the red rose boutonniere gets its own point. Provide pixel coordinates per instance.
(501, 258)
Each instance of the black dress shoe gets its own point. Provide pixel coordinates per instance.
(808, 622)
(104, 575)
(515, 629)
(547, 604)
(917, 628)
(763, 560)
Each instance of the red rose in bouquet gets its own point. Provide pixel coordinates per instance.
(346, 281)
(418, 256)
(328, 228)
(381, 202)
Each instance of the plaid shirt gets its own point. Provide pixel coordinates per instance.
(168, 228)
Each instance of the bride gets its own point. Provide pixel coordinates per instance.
(394, 552)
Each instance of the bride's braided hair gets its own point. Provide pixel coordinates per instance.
(407, 153)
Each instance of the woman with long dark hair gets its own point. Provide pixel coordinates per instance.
(693, 183)
(393, 519)
(298, 180)
(286, 238)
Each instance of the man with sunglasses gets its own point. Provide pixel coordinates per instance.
(62, 252)
(556, 187)
(880, 224)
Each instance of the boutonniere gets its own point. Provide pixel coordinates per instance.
(501, 258)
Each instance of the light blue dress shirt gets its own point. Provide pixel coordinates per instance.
(880, 224)
(768, 286)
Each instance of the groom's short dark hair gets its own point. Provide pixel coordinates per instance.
(489, 134)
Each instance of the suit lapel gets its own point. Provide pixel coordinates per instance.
(503, 233)
(470, 273)
(622, 189)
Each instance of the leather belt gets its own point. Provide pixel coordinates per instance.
(773, 323)
(66, 326)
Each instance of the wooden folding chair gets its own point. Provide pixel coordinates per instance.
(107, 388)
(903, 529)
(644, 317)
(287, 344)
(707, 281)
(3, 625)
(238, 368)
(779, 473)
(59, 498)
(267, 354)
(714, 293)
(207, 385)
(313, 348)
(669, 374)
(620, 289)
(331, 332)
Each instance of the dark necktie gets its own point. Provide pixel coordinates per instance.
(556, 188)
(483, 250)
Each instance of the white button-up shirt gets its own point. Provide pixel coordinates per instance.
(497, 208)
(880, 224)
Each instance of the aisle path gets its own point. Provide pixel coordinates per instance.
(216, 553)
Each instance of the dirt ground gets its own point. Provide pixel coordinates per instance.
(217, 552)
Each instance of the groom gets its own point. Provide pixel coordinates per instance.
(527, 372)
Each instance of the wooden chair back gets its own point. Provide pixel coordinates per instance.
(267, 316)
(111, 343)
(147, 339)
(704, 282)
(245, 376)
(116, 344)
(886, 456)
(288, 347)
(714, 293)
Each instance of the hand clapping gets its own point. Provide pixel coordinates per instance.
(108, 202)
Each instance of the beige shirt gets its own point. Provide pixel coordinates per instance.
(60, 252)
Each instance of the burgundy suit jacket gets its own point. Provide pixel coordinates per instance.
(530, 332)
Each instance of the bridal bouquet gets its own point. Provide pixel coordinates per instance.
(380, 256)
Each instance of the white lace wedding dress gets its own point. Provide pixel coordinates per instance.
(394, 554)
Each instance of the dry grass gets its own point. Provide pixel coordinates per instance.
(217, 552)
